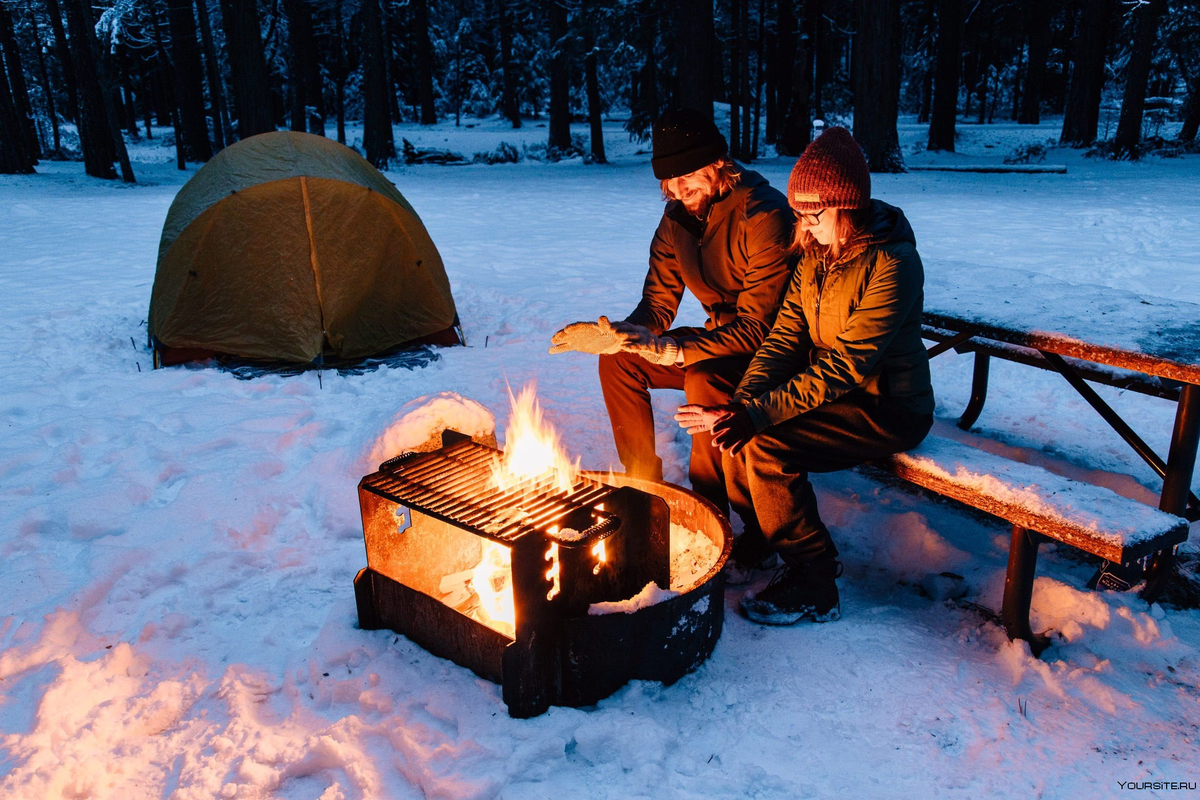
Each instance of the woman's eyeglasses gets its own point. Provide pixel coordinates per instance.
(811, 219)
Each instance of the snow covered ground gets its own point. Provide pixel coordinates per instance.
(177, 546)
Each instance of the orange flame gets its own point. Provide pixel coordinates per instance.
(532, 452)
(492, 582)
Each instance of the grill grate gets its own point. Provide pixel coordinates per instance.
(455, 484)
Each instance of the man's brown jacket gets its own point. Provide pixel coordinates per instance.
(736, 262)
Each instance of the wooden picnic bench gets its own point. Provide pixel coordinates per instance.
(1088, 335)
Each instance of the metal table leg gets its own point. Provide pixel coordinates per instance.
(1177, 483)
(979, 382)
(1018, 589)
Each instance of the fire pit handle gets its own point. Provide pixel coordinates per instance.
(394, 460)
(590, 536)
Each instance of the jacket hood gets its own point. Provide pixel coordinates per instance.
(887, 225)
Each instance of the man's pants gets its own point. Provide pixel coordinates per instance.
(627, 379)
(768, 480)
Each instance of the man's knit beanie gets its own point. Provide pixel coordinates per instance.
(684, 141)
(831, 173)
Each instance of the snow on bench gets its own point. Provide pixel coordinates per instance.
(1091, 518)
(1038, 503)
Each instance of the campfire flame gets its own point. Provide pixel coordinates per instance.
(533, 459)
(533, 455)
(492, 582)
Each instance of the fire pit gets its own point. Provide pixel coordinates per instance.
(559, 590)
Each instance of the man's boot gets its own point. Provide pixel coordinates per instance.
(750, 552)
(797, 592)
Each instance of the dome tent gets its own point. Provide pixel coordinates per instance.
(290, 247)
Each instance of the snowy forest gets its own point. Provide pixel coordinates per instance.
(84, 78)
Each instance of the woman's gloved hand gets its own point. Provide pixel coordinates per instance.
(641, 340)
(597, 338)
(733, 431)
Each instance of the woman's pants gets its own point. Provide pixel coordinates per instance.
(768, 480)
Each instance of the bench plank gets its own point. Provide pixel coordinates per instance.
(1092, 518)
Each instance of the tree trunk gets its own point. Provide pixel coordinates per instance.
(296, 98)
(644, 109)
(595, 121)
(784, 69)
(758, 77)
(560, 86)
(796, 132)
(424, 61)
(1016, 87)
(1038, 14)
(129, 103)
(341, 69)
(222, 132)
(378, 141)
(877, 83)
(65, 59)
(1191, 119)
(147, 95)
(95, 136)
(1133, 103)
(944, 113)
(189, 79)
(247, 67)
(929, 43)
(389, 61)
(818, 45)
(1191, 103)
(15, 158)
(16, 81)
(735, 80)
(48, 90)
(1082, 117)
(693, 27)
(173, 92)
(983, 44)
(744, 89)
(509, 104)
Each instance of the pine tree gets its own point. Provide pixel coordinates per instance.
(877, 83)
(944, 111)
(1129, 128)
(1082, 117)
(247, 67)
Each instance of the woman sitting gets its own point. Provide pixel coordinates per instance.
(843, 378)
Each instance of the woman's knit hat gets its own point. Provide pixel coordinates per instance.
(684, 141)
(831, 173)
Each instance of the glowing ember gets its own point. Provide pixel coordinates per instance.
(553, 573)
(492, 581)
(601, 556)
(532, 453)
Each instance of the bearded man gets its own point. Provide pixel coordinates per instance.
(725, 236)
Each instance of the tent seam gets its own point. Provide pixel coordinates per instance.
(312, 250)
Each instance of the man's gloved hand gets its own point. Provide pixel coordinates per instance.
(638, 339)
(733, 431)
(597, 338)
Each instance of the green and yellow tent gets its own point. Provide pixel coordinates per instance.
(291, 247)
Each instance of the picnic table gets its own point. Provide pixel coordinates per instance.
(1088, 334)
